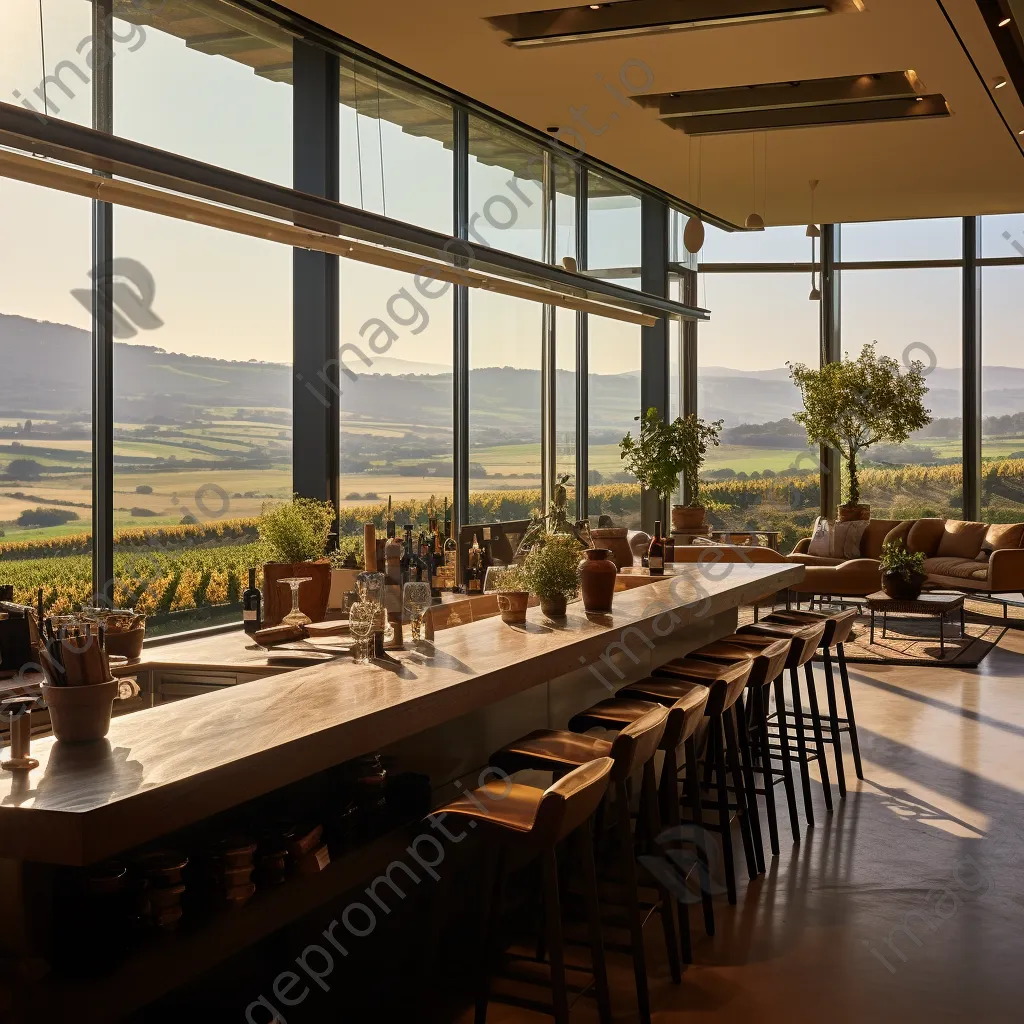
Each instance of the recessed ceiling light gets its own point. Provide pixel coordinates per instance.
(1005, 22)
(999, 82)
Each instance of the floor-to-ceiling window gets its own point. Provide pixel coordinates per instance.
(913, 314)
(763, 476)
(1002, 448)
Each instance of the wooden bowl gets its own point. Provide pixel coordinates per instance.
(127, 645)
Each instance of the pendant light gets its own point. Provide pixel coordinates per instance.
(813, 232)
(754, 221)
(693, 233)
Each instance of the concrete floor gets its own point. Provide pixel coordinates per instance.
(904, 905)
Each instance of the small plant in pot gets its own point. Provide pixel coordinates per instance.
(552, 573)
(662, 451)
(511, 585)
(293, 535)
(855, 403)
(902, 571)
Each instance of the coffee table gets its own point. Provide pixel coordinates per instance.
(938, 605)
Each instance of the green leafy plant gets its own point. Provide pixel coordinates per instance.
(552, 569)
(853, 404)
(896, 560)
(508, 579)
(296, 530)
(664, 450)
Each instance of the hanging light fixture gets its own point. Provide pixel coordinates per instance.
(813, 232)
(693, 233)
(754, 221)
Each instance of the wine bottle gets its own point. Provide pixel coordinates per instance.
(407, 554)
(252, 606)
(656, 552)
(474, 568)
(451, 556)
(390, 523)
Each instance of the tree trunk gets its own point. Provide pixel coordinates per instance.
(851, 465)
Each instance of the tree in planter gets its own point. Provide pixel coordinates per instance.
(853, 404)
(664, 450)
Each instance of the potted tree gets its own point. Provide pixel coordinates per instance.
(551, 571)
(511, 586)
(855, 403)
(293, 535)
(664, 450)
(903, 574)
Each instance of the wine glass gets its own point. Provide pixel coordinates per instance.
(362, 617)
(370, 587)
(417, 600)
(296, 617)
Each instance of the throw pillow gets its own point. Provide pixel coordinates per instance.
(846, 538)
(821, 538)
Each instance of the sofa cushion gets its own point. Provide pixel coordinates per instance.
(875, 535)
(821, 538)
(803, 559)
(846, 538)
(1003, 535)
(957, 568)
(961, 539)
(898, 534)
(924, 536)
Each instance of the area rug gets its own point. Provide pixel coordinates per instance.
(915, 641)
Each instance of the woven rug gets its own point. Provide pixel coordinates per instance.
(914, 640)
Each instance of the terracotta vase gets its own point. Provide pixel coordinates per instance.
(80, 714)
(616, 541)
(512, 604)
(688, 518)
(854, 513)
(598, 574)
(903, 588)
(553, 606)
(313, 596)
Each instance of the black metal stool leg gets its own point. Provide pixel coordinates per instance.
(760, 712)
(589, 872)
(833, 719)
(801, 743)
(649, 811)
(700, 839)
(724, 817)
(844, 675)
(746, 759)
(732, 753)
(787, 760)
(490, 912)
(556, 947)
(632, 897)
(819, 736)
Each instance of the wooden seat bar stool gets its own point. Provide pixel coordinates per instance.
(804, 644)
(559, 750)
(838, 628)
(684, 716)
(769, 656)
(524, 817)
(722, 752)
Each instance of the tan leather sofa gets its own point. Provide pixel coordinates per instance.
(959, 555)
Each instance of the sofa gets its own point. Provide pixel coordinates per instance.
(959, 555)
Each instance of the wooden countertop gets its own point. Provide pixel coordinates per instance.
(170, 766)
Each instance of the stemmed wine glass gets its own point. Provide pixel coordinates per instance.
(296, 617)
(370, 586)
(417, 600)
(361, 619)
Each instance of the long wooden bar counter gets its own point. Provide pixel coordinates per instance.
(167, 767)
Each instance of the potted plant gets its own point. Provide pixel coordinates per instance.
(551, 571)
(855, 403)
(293, 535)
(512, 588)
(664, 450)
(903, 573)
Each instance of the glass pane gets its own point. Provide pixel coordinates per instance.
(904, 240)
(913, 314)
(45, 395)
(504, 407)
(1003, 235)
(64, 37)
(613, 227)
(208, 81)
(506, 174)
(565, 400)
(614, 387)
(1002, 448)
(396, 148)
(763, 476)
(773, 245)
(396, 416)
(202, 412)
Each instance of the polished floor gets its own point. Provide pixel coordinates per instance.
(904, 905)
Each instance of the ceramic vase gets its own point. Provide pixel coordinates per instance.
(598, 574)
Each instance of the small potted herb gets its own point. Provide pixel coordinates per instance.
(512, 588)
(552, 573)
(293, 535)
(902, 572)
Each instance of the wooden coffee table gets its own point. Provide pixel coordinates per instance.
(937, 605)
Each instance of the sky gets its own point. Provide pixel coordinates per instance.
(230, 297)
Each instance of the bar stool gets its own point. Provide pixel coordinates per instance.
(558, 750)
(769, 659)
(838, 628)
(805, 640)
(684, 716)
(722, 753)
(523, 817)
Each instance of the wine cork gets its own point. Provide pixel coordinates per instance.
(369, 547)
